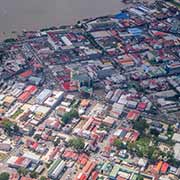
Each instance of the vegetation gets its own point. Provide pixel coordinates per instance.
(77, 143)
(143, 149)
(118, 144)
(4, 176)
(102, 127)
(43, 178)
(68, 116)
(10, 127)
(17, 113)
(22, 171)
(140, 126)
(140, 177)
(2, 156)
(33, 174)
(170, 131)
(37, 137)
(56, 143)
(175, 3)
(10, 40)
(172, 160)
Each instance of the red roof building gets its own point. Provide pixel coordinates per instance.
(86, 171)
(120, 178)
(70, 155)
(133, 115)
(27, 178)
(142, 106)
(26, 74)
(83, 159)
(31, 89)
(24, 96)
(81, 176)
(94, 175)
(164, 168)
(157, 168)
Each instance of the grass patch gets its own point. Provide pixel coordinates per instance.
(2, 156)
(17, 113)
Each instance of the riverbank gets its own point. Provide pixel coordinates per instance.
(17, 15)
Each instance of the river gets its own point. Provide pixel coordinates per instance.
(16, 15)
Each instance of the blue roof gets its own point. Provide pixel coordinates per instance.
(135, 31)
(122, 16)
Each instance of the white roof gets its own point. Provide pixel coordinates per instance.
(177, 151)
(176, 137)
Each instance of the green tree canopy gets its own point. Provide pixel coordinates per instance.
(118, 144)
(140, 126)
(68, 116)
(140, 177)
(22, 171)
(77, 143)
(33, 174)
(43, 178)
(4, 176)
(10, 127)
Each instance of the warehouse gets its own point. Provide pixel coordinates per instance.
(43, 96)
(56, 169)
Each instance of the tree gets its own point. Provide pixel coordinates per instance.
(43, 178)
(33, 174)
(140, 177)
(77, 143)
(68, 116)
(10, 40)
(37, 137)
(22, 171)
(56, 143)
(4, 176)
(10, 127)
(118, 144)
(140, 126)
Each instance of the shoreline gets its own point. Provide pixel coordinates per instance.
(13, 33)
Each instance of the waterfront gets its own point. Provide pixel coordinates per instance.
(17, 15)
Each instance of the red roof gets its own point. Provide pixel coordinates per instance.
(66, 86)
(70, 155)
(35, 145)
(158, 166)
(31, 88)
(27, 178)
(164, 168)
(94, 175)
(120, 178)
(24, 96)
(26, 74)
(19, 160)
(83, 158)
(107, 149)
(133, 115)
(81, 176)
(142, 105)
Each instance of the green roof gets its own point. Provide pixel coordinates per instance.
(106, 167)
(53, 166)
(134, 177)
(115, 171)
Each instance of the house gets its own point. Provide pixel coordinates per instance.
(133, 115)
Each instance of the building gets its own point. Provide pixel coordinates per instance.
(56, 169)
(43, 96)
(18, 162)
(5, 147)
(177, 151)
